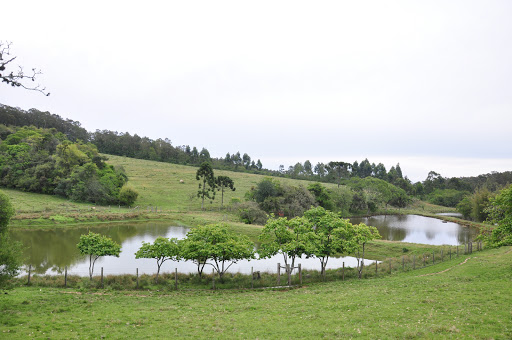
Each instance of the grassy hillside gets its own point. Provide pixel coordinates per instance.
(468, 297)
(169, 188)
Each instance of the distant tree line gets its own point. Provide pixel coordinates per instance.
(435, 188)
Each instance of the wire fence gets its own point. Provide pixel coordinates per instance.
(284, 277)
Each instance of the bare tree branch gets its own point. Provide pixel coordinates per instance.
(19, 78)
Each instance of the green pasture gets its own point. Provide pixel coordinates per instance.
(468, 297)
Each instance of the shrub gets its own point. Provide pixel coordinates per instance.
(250, 213)
(128, 195)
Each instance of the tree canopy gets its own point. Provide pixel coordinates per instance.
(500, 215)
(10, 251)
(215, 245)
(95, 246)
(162, 249)
(45, 161)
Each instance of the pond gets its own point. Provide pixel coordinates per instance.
(50, 251)
(419, 229)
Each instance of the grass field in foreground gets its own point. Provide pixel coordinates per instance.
(466, 298)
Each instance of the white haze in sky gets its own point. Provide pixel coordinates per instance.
(424, 83)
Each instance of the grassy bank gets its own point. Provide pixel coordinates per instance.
(465, 298)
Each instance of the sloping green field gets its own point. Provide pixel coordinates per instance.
(165, 191)
(468, 297)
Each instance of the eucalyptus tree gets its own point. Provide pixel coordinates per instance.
(162, 249)
(95, 246)
(224, 182)
(207, 182)
(291, 238)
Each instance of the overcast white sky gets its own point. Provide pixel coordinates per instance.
(424, 83)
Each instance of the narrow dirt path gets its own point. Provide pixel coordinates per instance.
(447, 269)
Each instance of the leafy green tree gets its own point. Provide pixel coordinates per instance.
(95, 246)
(224, 182)
(259, 165)
(359, 235)
(162, 249)
(207, 185)
(500, 215)
(10, 251)
(332, 234)
(320, 169)
(6, 212)
(246, 159)
(321, 195)
(365, 169)
(291, 238)
(216, 244)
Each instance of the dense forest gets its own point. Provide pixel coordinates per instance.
(45, 161)
(465, 193)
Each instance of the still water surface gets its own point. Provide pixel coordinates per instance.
(419, 229)
(50, 251)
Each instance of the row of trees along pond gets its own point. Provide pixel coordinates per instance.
(319, 233)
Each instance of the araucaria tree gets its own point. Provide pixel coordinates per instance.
(215, 245)
(96, 245)
(224, 182)
(161, 250)
(291, 238)
(207, 183)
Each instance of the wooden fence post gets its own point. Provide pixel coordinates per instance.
(137, 275)
(300, 274)
(289, 274)
(279, 274)
(343, 272)
(213, 279)
(433, 257)
(442, 258)
(376, 268)
(252, 277)
(66, 276)
(102, 277)
(29, 272)
(176, 278)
